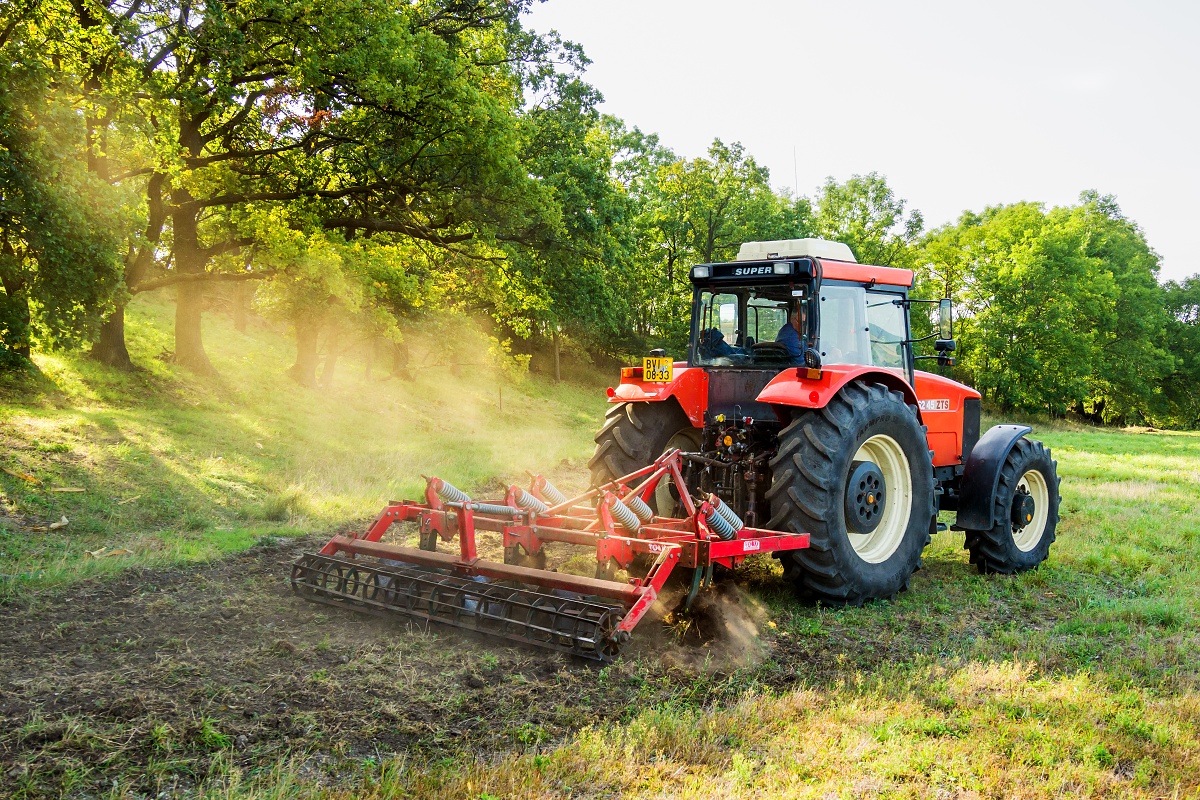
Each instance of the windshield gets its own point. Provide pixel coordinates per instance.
(740, 327)
(862, 327)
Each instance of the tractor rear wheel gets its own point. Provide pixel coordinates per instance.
(1026, 506)
(857, 476)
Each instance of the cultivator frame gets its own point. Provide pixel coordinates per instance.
(520, 599)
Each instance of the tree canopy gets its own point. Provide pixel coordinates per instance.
(370, 166)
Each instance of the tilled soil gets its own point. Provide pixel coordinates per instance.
(140, 684)
(137, 682)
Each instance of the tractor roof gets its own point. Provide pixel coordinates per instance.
(837, 260)
(865, 273)
(781, 259)
(795, 248)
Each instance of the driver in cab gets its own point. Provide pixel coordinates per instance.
(793, 333)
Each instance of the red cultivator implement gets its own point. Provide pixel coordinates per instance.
(520, 599)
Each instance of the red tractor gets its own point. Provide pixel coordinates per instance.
(835, 433)
(797, 426)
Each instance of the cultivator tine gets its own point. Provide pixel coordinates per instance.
(565, 623)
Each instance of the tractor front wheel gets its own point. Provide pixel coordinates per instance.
(1026, 507)
(634, 434)
(858, 478)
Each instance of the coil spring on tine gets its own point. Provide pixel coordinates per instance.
(552, 494)
(720, 526)
(450, 493)
(624, 517)
(638, 506)
(530, 503)
(727, 512)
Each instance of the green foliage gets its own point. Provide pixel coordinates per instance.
(700, 211)
(58, 251)
(865, 213)
(1028, 345)
(1131, 359)
(445, 163)
(1181, 387)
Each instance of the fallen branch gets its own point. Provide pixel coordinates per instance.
(20, 475)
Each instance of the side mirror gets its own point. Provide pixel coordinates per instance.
(945, 319)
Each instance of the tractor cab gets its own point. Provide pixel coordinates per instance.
(801, 303)
(793, 303)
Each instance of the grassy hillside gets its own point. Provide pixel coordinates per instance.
(176, 467)
(1081, 679)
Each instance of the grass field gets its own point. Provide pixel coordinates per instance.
(150, 675)
(175, 468)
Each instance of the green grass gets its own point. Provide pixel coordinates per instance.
(179, 468)
(1079, 679)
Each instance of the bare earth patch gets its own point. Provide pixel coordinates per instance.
(147, 682)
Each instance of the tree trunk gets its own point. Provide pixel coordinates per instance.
(400, 360)
(241, 305)
(25, 323)
(557, 358)
(110, 349)
(304, 371)
(331, 357)
(189, 308)
(189, 345)
(14, 306)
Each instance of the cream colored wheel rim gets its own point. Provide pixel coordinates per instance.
(1034, 485)
(886, 454)
(662, 493)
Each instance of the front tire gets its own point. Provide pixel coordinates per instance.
(1026, 505)
(829, 464)
(634, 434)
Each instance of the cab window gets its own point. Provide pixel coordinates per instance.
(885, 323)
(764, 318)
(844, 325)
(738, 328)
(718, 325)
(863, 327)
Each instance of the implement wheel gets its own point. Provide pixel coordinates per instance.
(857, 476)
(634, 434)
(1026, 506)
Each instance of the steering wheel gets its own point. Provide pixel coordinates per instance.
(769, 349)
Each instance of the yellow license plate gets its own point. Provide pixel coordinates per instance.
(657, 370)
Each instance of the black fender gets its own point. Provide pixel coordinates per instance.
(981, 476)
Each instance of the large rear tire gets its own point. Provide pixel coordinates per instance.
(831, 467)
(1026, 506)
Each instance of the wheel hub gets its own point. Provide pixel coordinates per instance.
(1023, 510)
(865, 490)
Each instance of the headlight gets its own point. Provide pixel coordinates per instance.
(699, 272)
(783, 268)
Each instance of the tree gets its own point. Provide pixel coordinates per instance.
(865, 214)
(1182, 340)
(700, 211)
(57, 262)
(1025, 344)
(1028, 344)
(1131, 359)
(573, 260)
(407, 127)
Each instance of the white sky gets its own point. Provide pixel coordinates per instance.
(960, 104)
